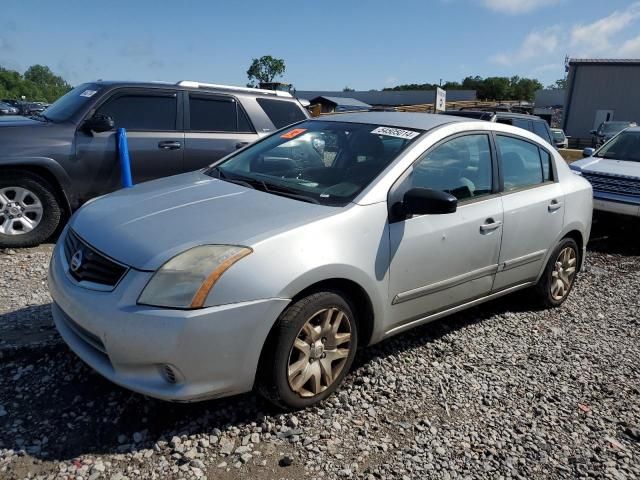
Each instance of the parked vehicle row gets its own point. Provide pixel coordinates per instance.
(7, 109)
(607, 130)
(20, 107)
(271, 267)
(532, 123)
(52, 163)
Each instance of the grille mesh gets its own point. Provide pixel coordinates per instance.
(613, 184)
(95, 267)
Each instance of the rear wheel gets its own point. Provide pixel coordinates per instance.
(558, 278)
(29, 210)
(310, 351)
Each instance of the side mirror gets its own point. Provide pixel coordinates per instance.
(99, 123)
(420, 201)
(588, 152)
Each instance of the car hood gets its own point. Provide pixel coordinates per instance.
(608, 166)
(148, 224)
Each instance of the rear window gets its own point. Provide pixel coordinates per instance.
(281, 112)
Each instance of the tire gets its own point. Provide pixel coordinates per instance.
(43, 219)
(554, 286)
(301, 323)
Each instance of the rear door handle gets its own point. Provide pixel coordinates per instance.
(490, 226)
(241, 144)
(169, 145)
(554, 205)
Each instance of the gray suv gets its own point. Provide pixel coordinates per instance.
(53, 162)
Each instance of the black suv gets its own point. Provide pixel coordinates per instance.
(53, 162)
(532, 123)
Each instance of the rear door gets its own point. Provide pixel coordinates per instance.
(216, 125)
(154, 132)
(533, 204)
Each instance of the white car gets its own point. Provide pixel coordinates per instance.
(614, 173)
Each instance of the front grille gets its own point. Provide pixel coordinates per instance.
(614, 184)
(90, 265)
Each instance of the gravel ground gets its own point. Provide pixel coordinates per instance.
(500, 391)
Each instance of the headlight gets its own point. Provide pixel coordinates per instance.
(186, 279)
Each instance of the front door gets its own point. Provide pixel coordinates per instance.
(533, 210)
(438, 261)
(156, 142)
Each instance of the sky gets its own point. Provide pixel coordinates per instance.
(326, 44)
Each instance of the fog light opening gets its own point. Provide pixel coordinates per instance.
(169, 374)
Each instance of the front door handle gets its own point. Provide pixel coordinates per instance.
(241, 144)
(169, 145)
(490, 226)
(554, 205)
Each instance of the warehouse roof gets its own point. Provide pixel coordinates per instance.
(604, 61)
(391, 97)
(341, 101)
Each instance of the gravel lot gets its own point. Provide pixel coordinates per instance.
(501, 391)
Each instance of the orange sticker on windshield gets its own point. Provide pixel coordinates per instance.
(293, 133)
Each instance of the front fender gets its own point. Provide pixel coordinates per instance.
(51, 167)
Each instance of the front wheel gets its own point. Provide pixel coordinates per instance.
(29, 210)
(309, 351)
(559, 276)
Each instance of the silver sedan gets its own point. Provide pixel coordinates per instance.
(270, 268)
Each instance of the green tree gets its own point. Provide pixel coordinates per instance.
(38, 83)
(561, 84)
(348, 89)
(265, 69)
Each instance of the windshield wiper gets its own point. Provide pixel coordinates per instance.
(237, 181)
(287, 192)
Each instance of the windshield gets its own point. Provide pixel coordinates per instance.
(64, 108)
(558, 135)
(317, 161)
(625, 146)
(613, 127)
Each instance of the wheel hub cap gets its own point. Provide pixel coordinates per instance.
(20, 210)
(563, 273)
(319, 352)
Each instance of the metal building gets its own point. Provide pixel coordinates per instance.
(600, 90)
(391, 98)
(339, 104)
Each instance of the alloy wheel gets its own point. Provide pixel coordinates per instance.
(319, 352)
(20, 211)
(563, 274)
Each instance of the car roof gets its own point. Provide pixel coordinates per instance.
(419, 121)
(196, 86)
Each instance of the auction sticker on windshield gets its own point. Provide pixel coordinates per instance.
(293, 133)
(396, 132)
(88, 93)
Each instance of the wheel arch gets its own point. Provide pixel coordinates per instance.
(46, 168)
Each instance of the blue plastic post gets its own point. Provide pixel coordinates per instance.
(123, 154)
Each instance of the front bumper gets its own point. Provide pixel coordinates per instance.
(614, 203)
(178, 355)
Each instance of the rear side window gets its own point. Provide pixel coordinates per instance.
(546, 165)
(281, 112)
(521, 163)
(209, 113)
(142, 112)
(540, 129)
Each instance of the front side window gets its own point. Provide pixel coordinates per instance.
(625, 146)
(317, 161)
(142, 112)
(217, 114)
(281, 112)
(521, 163)
(461, 167)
